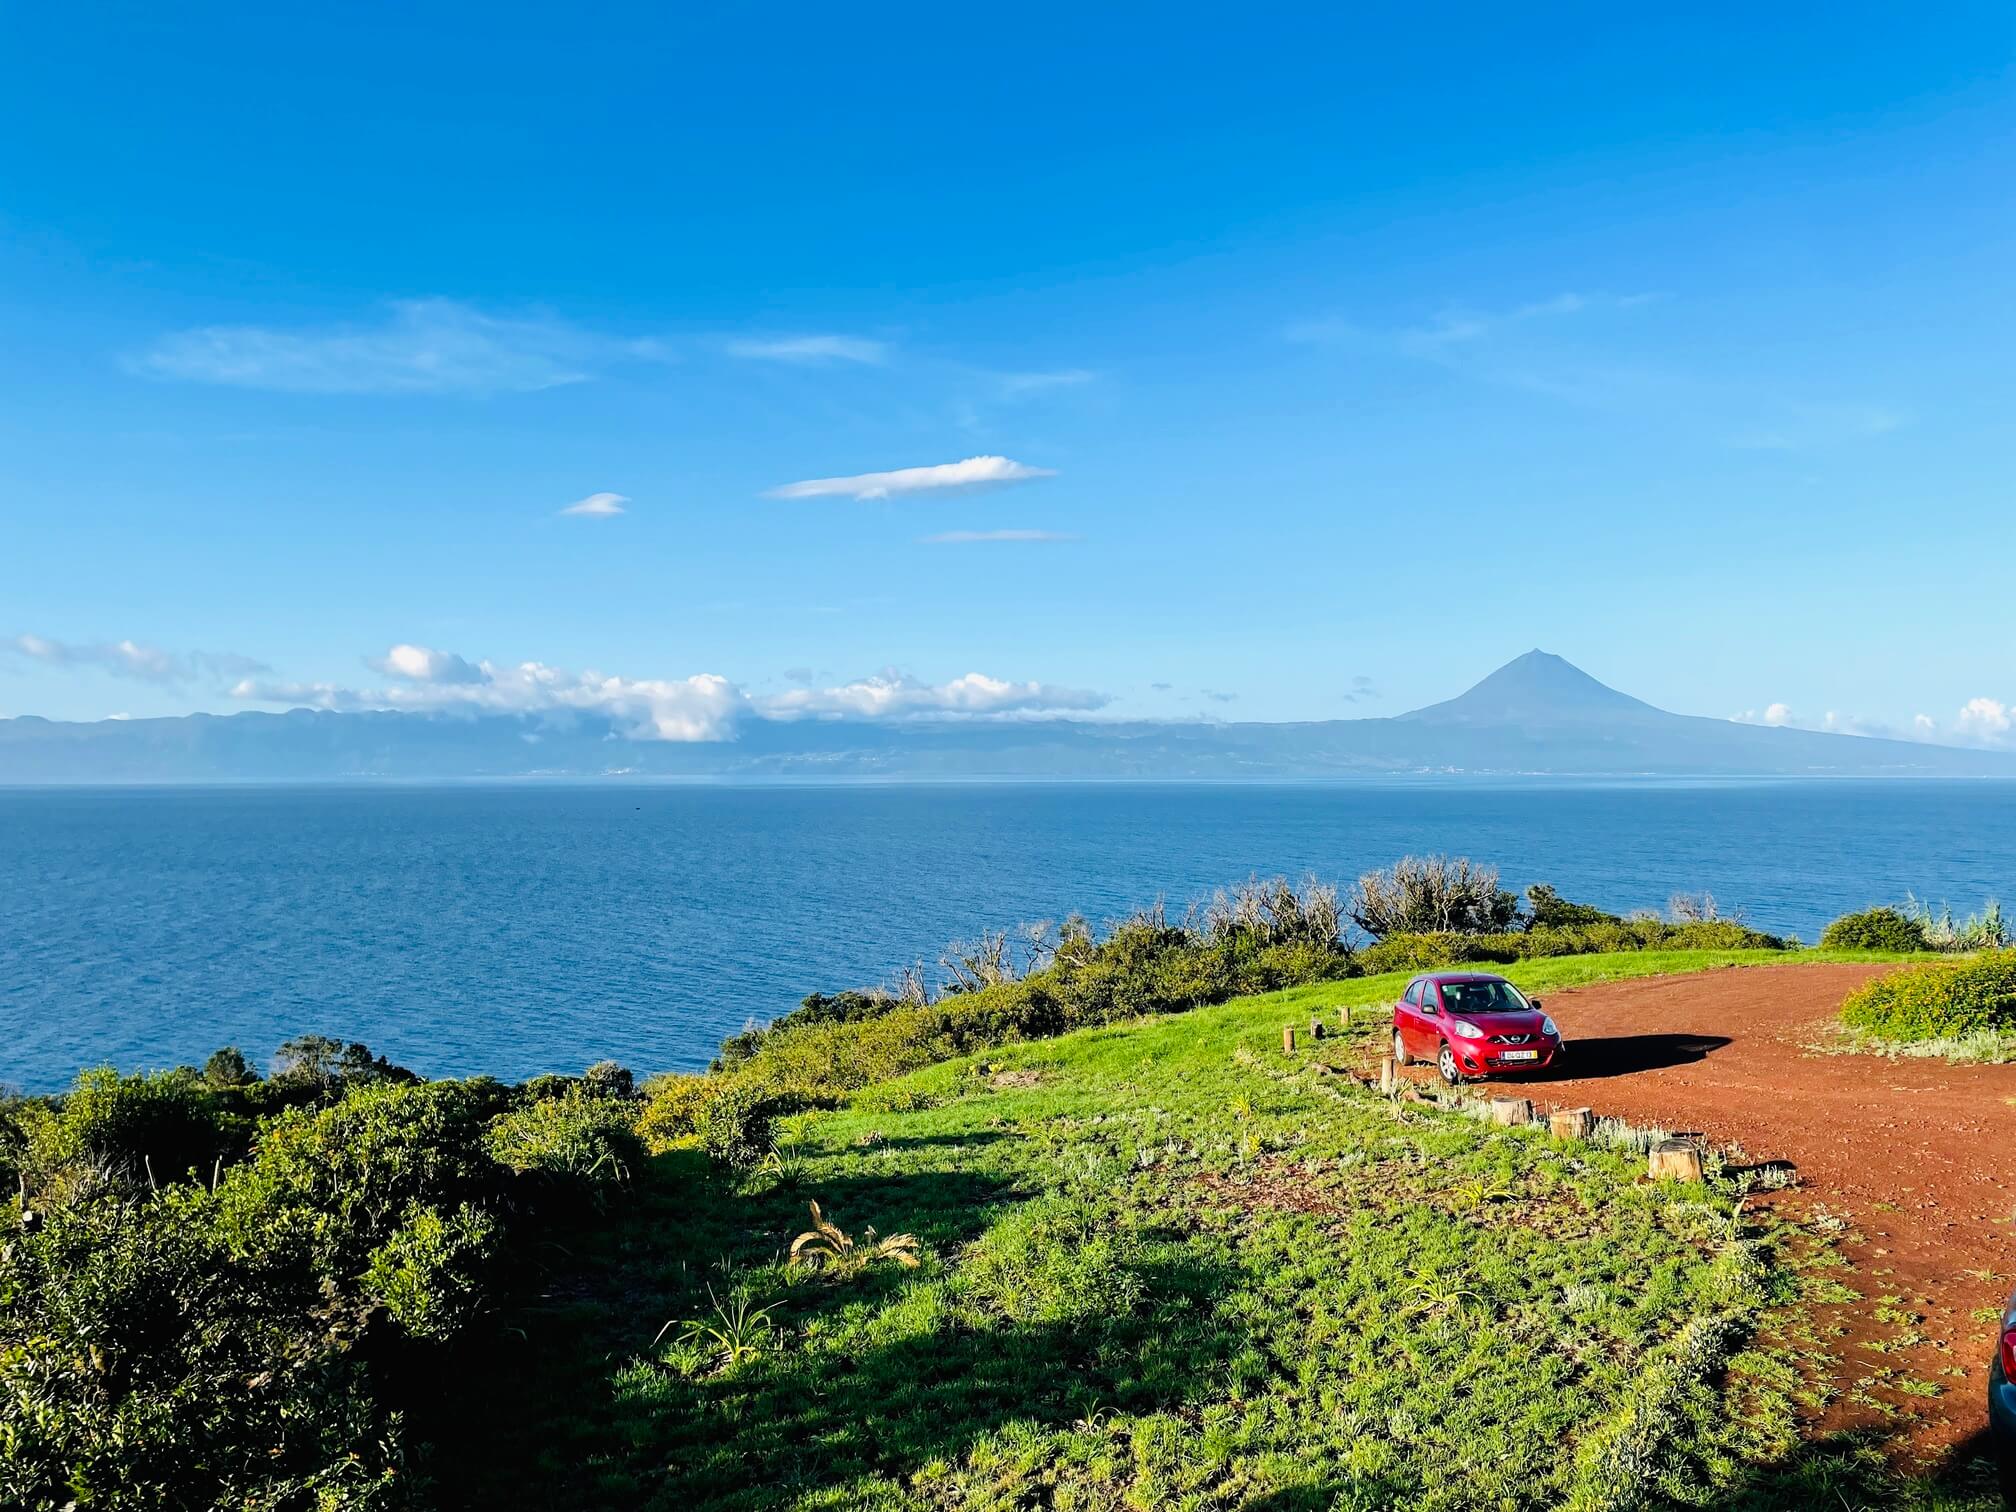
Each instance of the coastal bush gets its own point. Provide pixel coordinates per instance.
(430, 1273)
(578, 1138)
(1547, 909)
(1875, 929)
(1423, 952)
(1937, 1001)
(142, 1368)
(328, 1185)
(131, 1130)
(1983, 931)
(730, 1117)
(1432, 895)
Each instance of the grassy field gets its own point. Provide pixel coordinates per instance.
(1164, 1265)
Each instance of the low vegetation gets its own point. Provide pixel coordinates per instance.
(1027, 1240)
(1938, 1002)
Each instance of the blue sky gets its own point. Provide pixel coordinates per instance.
(1301, 365)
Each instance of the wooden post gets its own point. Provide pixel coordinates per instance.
(1315, 1029)
(1674, 1161)
(1288, 1038)
(1571, 1123)
(1387, 1076)
(1344, 1016)
(1511, 1111)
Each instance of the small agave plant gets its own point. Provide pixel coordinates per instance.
(827, 1249)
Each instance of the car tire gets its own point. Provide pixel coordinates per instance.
(1400, 1055)
(1445, 1062)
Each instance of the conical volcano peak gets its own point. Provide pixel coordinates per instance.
(1537, 688)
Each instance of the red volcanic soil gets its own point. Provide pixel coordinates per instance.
(1919, 1155)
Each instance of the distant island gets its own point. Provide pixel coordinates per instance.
(1538, 715)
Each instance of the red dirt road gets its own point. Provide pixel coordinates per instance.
(1917, 1154)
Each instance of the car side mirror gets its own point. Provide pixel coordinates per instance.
(1534, 1004)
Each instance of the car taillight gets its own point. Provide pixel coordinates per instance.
(2009, 1354)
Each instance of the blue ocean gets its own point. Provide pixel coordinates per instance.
(517, 929)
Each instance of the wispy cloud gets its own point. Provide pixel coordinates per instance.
(973, 472)
(896, 695)
(419, 346)
(1362, 689)
(1021, 385)
(702, 707)
(598, 506)
(131, 659)
(978, 537)
(812, 349)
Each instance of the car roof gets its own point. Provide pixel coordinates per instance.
(1438, 977)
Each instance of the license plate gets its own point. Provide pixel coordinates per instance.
(1520, 1055)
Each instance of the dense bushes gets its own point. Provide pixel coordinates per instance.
(248, 1337)
(1937, 1001)
(1423, 952)
(1432, 895)
(1875, 929)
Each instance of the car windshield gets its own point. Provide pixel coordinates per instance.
(1482, 997)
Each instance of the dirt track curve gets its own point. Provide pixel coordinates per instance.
(1918, 1154)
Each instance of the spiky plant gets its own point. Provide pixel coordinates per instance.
(738, 1331)
(831, 1251)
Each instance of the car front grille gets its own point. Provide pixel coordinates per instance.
(1510, 1039)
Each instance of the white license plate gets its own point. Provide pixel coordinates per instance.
(1520, 1055)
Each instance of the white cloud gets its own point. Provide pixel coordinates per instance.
(972, 537)
(1778, 714)
(422, 665)
(421, 346)
(702, 707)
(973, 472)
(1984, 719)
(598, 506)
(129, 658)
(897, 695)
(812, 349)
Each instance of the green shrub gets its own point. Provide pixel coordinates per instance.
(430, 1273)
(142, 1369)
(331, 1184)
(1547, 909)
(1938, 1000)
(129, 1128)
(1432, 895)
(577, 1138)
(1875, 929)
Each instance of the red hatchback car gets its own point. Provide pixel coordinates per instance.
(1472, 1024)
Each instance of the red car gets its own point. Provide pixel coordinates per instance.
(1472, 1024)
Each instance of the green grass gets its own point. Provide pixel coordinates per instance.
(1166, 1265)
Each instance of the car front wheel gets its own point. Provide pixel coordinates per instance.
(1446, 1064)
(1400, 1055)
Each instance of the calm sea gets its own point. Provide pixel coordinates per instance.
(522, 929)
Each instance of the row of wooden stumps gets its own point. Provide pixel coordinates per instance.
(1669, 1160)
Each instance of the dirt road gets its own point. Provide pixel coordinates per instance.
(1919, 1155)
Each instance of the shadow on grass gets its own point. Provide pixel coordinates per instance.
(1849, 1472)
(564, 1405)
(815, 1423)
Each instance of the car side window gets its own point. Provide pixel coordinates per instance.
(1428, 997)
(1413, 998)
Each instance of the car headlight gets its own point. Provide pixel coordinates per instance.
(1547, 1026)
(1465, 1029)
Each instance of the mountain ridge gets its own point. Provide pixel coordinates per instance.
(1538, 715)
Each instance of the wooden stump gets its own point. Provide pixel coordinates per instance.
(1344, 1015)
(1571, 1123)
(1511, 1111)
(1288, 1038)
(1315, 1029)
(1387, 1076)
(1674, 1161)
